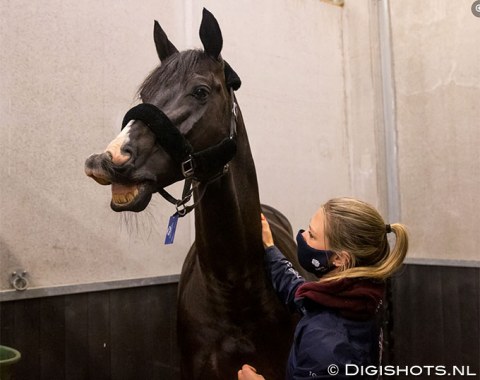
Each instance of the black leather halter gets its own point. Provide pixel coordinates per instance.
(204, 166)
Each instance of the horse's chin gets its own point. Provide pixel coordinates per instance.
(134, 197)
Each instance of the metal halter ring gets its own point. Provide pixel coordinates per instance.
(181, 209)
(19, 280)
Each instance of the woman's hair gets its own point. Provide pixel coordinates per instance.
(357, 228)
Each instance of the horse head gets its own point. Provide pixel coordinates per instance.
(183, 128)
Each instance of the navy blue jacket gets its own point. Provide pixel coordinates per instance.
(326, 345)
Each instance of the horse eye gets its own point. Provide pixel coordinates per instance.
(200, 93)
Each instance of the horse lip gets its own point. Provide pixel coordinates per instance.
(98, 176)
(93, 169)
(101, 181)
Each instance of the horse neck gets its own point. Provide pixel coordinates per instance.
(227, 219)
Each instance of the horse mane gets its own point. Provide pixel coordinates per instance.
(177, 65)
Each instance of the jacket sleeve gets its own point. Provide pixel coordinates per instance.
(284, 277)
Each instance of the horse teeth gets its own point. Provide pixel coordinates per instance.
(124, 198)
(118, 198)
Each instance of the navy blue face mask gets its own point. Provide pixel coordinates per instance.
(316, 261)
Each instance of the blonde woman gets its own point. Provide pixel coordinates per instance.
(347, 248)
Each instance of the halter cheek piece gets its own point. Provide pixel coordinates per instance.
(204, 166)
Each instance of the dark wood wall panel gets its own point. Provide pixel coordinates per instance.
(99, 363)
(52, 337)
(76, 334)
(436, 316)
(119, 335)
(131, 333)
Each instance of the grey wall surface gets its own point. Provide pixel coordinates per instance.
(312, 97)
(437, 81)
(70, 71)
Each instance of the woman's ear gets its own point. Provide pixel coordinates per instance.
(342, 259)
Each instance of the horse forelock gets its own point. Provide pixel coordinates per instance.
(176, 68)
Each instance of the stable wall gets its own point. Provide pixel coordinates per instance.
(437, 87)
(315, 104)
(321, 109)
(72, 71)
(69, 72)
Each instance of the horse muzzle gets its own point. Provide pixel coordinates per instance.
(94, 168)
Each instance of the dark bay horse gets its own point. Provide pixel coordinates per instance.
(228, 313)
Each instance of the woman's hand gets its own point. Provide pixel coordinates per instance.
(249, 373)
(266, 233)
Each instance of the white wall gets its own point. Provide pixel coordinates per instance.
(437, 80)
(311, 98)
(70, 71)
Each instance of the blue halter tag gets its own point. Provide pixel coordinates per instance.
(172, 226)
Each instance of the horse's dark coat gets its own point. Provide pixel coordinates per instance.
(228, 313)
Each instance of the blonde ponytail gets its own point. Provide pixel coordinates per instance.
(357, 228)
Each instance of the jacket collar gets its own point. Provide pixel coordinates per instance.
(357, 299)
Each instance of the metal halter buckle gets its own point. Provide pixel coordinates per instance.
(181, 209)
(188, 167)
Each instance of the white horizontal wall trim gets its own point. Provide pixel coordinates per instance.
(40, 292)
(444, 263)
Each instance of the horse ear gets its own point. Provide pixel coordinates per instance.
(210, 35)
(231, 77)
(163, 45)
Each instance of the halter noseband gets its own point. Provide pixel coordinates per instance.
(204, 166)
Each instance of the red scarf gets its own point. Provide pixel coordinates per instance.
(358, 299)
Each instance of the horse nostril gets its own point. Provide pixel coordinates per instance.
(118, 158)
(128, 151)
